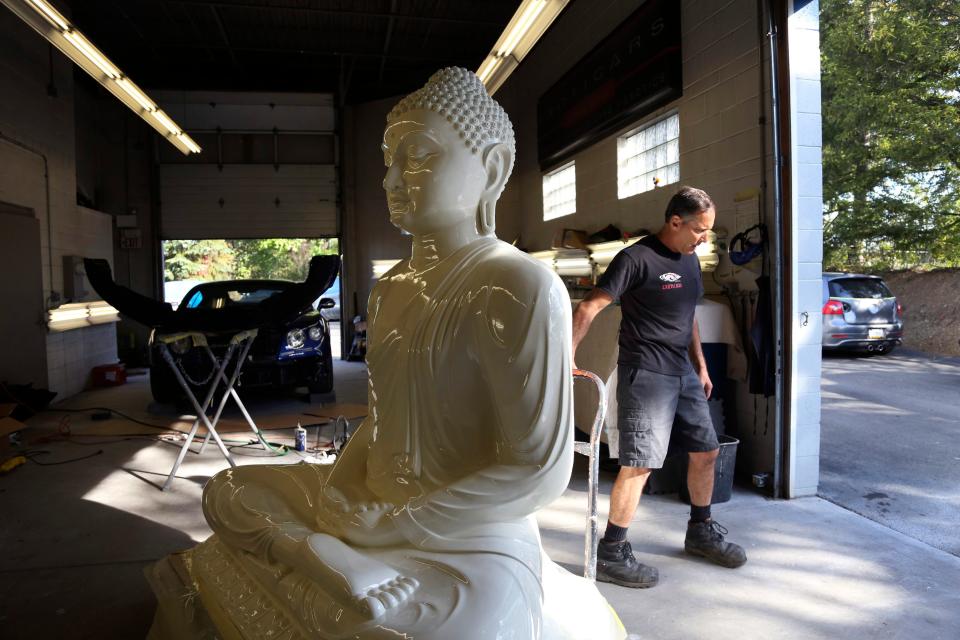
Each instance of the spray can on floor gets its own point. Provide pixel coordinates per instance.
(300, 438)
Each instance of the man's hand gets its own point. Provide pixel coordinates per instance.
(706, 382)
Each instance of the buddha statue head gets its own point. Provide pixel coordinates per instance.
(449, 150)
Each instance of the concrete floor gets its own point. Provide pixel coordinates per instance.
(76, 537)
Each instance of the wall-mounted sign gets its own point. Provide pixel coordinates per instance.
(130, 239)
(633, 71)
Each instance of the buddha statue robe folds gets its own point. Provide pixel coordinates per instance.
(424, 526)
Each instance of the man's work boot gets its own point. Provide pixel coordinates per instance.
(706, 539)
(616, 564)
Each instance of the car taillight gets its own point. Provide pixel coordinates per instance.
(833, 308)
(899, 309)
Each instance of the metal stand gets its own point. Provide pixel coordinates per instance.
(241, 344)
(592, 451)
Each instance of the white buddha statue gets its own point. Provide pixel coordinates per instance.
(424, 527)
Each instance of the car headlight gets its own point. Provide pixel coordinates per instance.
(315, 333)
(295, 339)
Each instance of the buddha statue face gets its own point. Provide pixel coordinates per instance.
(433, 180)
(449, 150)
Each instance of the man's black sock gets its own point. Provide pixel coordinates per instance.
(614, 533)
(699, 514)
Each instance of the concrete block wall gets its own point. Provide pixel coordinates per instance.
(37, 123)
(72, 354)
(722, 148)
(806, 176)
(720, 142)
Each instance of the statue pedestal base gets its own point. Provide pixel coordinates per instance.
(208, 592)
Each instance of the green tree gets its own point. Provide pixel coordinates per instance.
(197, 260)
(283, 258)
(891, 132)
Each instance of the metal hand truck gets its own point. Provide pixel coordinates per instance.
(591, 449)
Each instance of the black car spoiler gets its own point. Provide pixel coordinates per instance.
(275, 310)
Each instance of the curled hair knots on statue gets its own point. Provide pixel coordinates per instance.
(458, 95)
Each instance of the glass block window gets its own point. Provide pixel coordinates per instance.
(560, 192)
(649, 157)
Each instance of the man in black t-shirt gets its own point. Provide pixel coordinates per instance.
(662, 383)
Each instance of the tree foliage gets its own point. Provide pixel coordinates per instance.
(272, 258)
(891, 132)
(197, 260)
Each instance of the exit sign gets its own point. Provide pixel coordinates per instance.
(130, 239)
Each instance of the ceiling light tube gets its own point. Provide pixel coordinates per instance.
(134, 92)
(499, 73)
(484, 69)
(190, 144)
(52, 15)
(531, 20)
(521, 26)
(494, 63)
(90, 52)
(165, 120)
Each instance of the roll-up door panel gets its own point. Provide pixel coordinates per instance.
(248, 201)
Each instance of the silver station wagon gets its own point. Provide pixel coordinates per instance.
(860, 313)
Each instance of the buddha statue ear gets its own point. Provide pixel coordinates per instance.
(498, 164)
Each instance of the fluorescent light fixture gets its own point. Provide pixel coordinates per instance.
(52, 15)
(165, 120)
(531, 19)
(138, 96)
(52, 25)
(520, 27)
(92, 54)
(190, 144)
(77, 315)
(489, 66)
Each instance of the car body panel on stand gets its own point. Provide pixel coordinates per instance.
(294, 354)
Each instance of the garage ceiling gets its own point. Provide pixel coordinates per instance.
(360, 49)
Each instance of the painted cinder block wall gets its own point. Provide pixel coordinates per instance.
(806, 233)
(722, 146)
(82, 132)
(725, 149)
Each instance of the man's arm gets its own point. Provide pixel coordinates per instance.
(697, 359)
(583, 316)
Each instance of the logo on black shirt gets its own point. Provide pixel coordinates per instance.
(672, 280)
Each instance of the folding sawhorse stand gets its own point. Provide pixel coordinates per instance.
(240, 344)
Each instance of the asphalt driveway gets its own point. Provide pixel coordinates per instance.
(890, 442)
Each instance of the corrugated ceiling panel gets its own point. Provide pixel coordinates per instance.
(247, 201)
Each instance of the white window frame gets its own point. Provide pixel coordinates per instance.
(560, 192)
(651, 151)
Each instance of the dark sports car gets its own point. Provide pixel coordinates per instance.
(296, 354)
